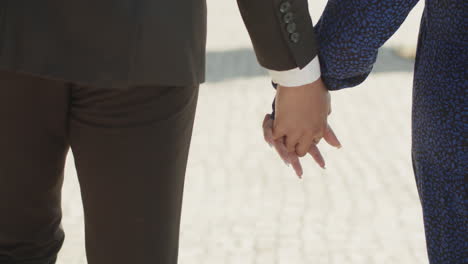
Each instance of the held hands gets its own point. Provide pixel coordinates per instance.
(300, 123)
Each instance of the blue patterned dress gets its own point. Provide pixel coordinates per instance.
(350, 33)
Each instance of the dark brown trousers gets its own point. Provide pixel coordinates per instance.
(130, 148)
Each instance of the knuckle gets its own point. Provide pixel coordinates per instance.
(277, 134)
(319, 132)
(279, 129)
(308, 134)
(315, 132)
(290, 148)
(301, 153)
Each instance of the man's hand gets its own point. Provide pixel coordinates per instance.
(300, 123)
(301, 116)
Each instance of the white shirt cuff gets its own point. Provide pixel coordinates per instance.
(297, 77)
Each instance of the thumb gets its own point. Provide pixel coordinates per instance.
(331, 138)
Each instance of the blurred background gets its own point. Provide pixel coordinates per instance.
(242, 204)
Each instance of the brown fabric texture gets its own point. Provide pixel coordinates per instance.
(130, 148)
(122, 43)
(106, 43)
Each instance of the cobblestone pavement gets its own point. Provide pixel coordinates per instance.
(242, 205)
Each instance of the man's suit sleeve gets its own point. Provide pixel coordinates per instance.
(281, 32)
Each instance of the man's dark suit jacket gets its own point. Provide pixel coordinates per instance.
(121, 43)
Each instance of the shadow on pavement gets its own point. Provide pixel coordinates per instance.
(242, 63)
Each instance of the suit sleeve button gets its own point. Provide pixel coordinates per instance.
(288, 18)
(295, 37)
(284, 7)
(291, 27)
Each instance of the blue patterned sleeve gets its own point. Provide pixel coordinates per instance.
(350, 32)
